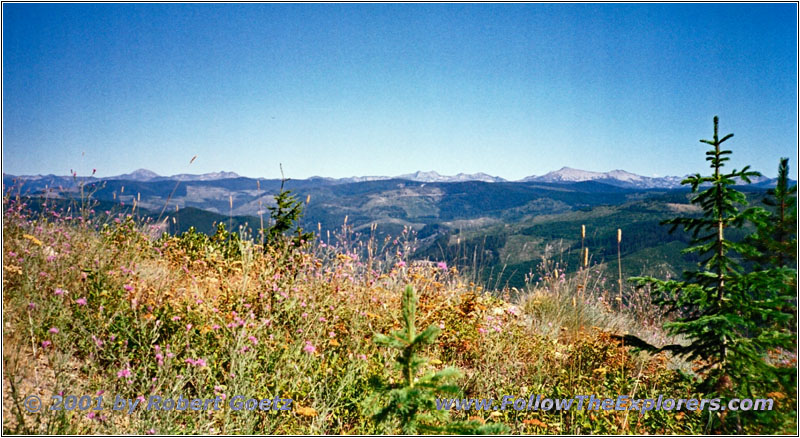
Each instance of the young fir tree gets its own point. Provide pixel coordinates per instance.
(776, 238)
(285, 215)
(730, 317)
(412, 400)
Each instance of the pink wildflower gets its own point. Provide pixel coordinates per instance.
(128, 287)
(309, 348)
(176, 318)
(46, 344)
(53, 330)
(442, 266)
(81, 301)
(253, 339)
(125, 372)
(60, 291)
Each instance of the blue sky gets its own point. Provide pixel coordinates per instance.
(368, 89)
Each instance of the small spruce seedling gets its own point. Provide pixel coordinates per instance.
(412, 400)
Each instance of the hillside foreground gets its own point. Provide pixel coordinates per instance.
(107, 309)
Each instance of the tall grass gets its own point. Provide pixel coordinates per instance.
(137, 315)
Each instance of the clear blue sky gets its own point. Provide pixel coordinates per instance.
(369, 89)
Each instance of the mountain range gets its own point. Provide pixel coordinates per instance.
(620, 178)
(506, 225)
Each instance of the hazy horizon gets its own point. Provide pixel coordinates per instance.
(339, 90)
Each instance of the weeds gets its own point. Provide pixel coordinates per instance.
(203, 317)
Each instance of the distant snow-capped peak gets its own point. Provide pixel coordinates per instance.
(433, 176)
(618, 177)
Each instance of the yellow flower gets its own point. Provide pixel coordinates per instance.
(34, 240)
(305, 411)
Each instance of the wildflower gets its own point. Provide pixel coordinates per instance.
(215, 327)
(53, 330)
(362, 356)
(127, 287)
(196, 362)
(160, 359)
(401, 264)
(322, 319)
(59, 291)
(253, 339)
(151, 432)
(304, 315)
(31, 305)
(46, 344)
(81, 301)
(309, 348)
(332, 334)
(441, 325)
(481, 330)
(125, 372)
(176, 318)
(442, 266)
(188, 327)
(97, 341)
